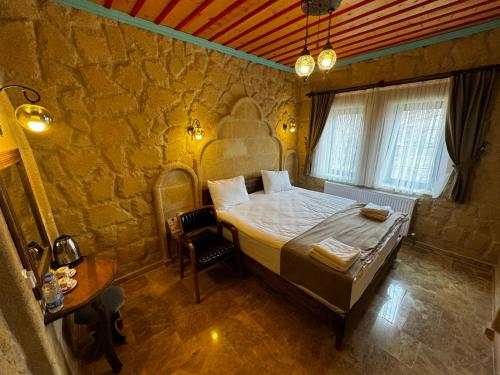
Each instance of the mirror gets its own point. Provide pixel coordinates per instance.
(12, 183)
(22, 216)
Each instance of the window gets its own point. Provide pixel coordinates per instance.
(392, 139)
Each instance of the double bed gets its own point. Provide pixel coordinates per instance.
(267, 223)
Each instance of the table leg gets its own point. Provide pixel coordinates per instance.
(105, 335)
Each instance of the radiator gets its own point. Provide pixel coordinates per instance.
(397, 202)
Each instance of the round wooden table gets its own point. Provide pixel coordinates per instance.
(94, 274)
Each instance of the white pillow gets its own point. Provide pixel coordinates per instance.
(228, 193)
(275, 181)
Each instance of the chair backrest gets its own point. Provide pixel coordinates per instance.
(197, 219)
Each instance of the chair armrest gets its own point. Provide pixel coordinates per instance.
(186, 241)
(226, 224)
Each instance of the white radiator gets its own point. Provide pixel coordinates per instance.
(397, 202)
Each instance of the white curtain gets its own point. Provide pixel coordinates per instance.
(341, 151)
(388, 138)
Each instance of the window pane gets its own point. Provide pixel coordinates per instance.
(337, 154)
(414, 146)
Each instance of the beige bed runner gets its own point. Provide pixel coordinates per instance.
(346, 226)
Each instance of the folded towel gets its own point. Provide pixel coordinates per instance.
(335, 254)
(374, 211)
(378, 217)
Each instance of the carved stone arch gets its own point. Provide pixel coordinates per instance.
(245, 144)
(175, 190)
(291, 164)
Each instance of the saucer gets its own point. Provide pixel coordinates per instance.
(70, 287)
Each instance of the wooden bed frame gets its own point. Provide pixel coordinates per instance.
(337, 319)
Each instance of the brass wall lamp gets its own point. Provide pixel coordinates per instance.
(195, 130)
(30, 115)
(290, 124)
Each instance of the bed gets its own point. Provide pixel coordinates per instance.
(268, 222)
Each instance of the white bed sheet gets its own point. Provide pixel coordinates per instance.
(274, 219)
(268, 221)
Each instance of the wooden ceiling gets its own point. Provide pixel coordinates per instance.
(275, 29)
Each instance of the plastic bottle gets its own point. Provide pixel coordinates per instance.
(52, 293)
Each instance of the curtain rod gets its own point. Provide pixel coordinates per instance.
(403, 81)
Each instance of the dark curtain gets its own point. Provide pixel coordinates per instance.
(320, 108)
(467, 123)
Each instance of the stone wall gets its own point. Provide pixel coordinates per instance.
(122, 98)
(471, 229)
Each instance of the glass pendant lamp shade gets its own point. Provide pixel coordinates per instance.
(33, 117)
(327, 58)
(304, 65)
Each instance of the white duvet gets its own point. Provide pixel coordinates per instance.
(276, 218)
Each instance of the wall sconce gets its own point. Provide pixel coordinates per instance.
(290, 124)
(31, 116)
(195, 130)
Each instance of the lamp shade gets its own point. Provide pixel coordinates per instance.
(304, 65)
(33, 117)
(198, 133)
(327, 58)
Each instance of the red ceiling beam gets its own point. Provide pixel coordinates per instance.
(243, 19)
(350, 37)
(412, 34)
(262, 23)
(170, 6)
(220, 16)
(398, 12)
(108, 3)
(451, 28)
(194, 13)
(431, 27)
(137, 7)
(281, 27)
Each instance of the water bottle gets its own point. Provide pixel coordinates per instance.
(52, 293)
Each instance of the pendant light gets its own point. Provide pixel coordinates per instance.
(304, 65)
(31, 116)
(327, 58)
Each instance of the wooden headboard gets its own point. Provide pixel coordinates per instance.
(253, 184)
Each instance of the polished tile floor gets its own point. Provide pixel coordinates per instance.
(426, 317)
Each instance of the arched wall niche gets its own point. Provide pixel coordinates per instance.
(175, 190)
(245, 144)
(291, 164)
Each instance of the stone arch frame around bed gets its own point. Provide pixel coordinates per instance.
(294, 173)
(161, 206)
(239, 141)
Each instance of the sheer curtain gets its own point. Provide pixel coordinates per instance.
(388, 138)
(340, 152)
(412, 154)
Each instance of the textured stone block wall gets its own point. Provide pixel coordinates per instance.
(471, 229)
(122, 98)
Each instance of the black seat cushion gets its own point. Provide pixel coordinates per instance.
(210, 248)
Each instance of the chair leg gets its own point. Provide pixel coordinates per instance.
(196, 282)
(181, 261)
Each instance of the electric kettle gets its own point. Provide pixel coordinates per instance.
(66, 252)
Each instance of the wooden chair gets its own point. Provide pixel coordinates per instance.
(204, 246)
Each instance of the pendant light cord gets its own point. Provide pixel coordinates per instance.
(307, 24)
(330, 11)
